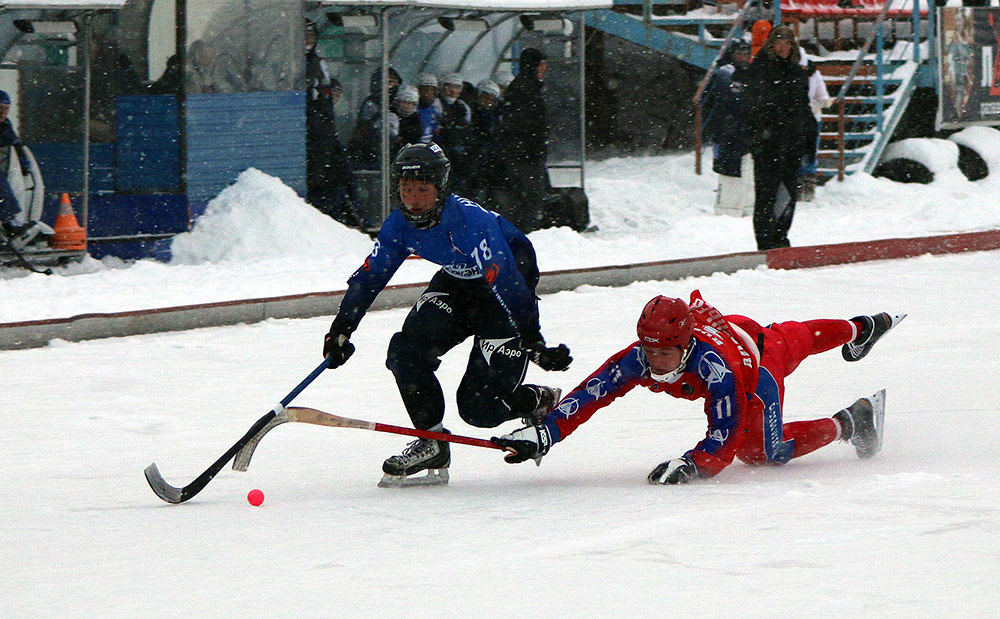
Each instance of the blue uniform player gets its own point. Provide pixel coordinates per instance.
(485, 289)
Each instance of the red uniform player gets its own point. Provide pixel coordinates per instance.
(739, 368)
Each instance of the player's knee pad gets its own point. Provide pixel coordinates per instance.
(407, 354)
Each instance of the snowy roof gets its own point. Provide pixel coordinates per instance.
(63, 4)
(494, 6)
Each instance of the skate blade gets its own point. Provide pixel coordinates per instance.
(434, 477)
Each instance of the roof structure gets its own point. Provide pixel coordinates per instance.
(492, 6)
(62, 4)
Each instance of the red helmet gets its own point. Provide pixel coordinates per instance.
(665, 322)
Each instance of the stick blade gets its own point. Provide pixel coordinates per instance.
(162, 489)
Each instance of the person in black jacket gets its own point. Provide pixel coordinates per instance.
(782, 130)
(524, 134)
(329, 182)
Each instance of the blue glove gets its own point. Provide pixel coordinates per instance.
(528, 443)
(675, 471)
(337, 349)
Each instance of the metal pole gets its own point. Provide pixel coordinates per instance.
(384, 17)
(915, 25)
(582, 25)
(697, 137)
(840, 140)
(85, 201)
(879, 86)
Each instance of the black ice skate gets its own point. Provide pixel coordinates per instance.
(862, 423)
(423, 454)
(873, 328)
(546, 399)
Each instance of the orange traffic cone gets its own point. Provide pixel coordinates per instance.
(68, 232)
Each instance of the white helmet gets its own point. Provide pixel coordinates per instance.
(427, 79)
(489, 87)
(454, 79)
(408, 94)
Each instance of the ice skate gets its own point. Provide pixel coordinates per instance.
(862, 424)
(423, 454)
(546, 400)
(872, 330)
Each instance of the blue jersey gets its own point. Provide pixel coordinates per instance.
(470, 243)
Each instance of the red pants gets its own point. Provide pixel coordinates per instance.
(786, 344)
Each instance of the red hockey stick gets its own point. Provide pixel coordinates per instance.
(317, 417)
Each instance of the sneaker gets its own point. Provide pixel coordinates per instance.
(421, 454)
(872, 330)
(546, 399)
(862, 424)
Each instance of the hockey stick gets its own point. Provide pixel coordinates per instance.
(171, 494)
(319, 418)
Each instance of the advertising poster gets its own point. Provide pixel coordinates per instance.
(968, 67)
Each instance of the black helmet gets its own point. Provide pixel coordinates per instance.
(422, 162)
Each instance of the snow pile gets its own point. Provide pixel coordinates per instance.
(937, 155)
(985, 141)
(258, 218)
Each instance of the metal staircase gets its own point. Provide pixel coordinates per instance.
(872, 90)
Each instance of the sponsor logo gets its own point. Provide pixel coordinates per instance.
(462, 271)
(567, 408)
(497, 347)
(711, 369)
(491, 273)
(595, 387)
(719, 435)
(651, 340)
(435, 299)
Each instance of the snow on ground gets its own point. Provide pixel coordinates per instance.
(909, 533)
(260, 239)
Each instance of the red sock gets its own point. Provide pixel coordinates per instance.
(810, 435)
(828, 334)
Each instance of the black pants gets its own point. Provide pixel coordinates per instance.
(522, 196)
(449, 311)
(772, 215)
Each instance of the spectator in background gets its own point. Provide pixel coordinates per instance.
(453, 134)
(523, 141)
(404, 122)
(726, 125)
(429, 107)
(819, 98)
(329, 183)
(484, 179)
(366, 141)
(782, 130)
(503, 77)
(16, 231)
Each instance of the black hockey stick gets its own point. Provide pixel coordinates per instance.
(171, 494)
(21, 260)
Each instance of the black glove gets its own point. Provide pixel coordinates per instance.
(675, 471)
(337, 348)
(528, 443)
(550, 358)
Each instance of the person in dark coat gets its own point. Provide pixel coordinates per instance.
(484, 179)
(366, 143)
(725, 114)
(524, 135)
(329, 184)
(782, 130)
